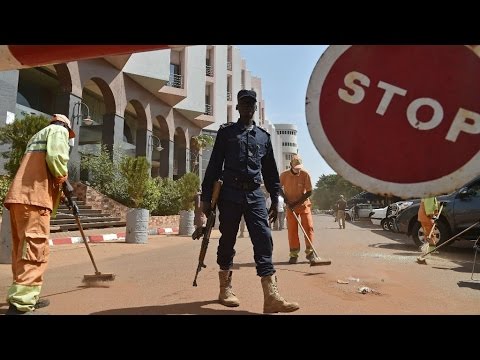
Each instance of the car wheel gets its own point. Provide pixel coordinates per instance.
(441, 234)
(384, 225)
(390, 225)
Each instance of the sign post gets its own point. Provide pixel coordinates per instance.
(398, 120)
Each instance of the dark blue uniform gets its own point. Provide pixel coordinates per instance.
(241, 157)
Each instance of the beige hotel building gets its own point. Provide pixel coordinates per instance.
(146, 104)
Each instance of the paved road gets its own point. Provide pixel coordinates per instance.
(156, 278)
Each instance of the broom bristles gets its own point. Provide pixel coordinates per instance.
(319, 262)
(98, 277)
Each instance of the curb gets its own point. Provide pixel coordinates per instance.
(108, 237)
(162, 231)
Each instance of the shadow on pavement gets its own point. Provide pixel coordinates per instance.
(193, 308)
(470, 284)
(464, 266)
(396, 246)
(398, 237)
(409, 250)
(291, 267)
(237, 266)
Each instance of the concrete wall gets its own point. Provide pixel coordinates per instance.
(8, 101)
(194, 79)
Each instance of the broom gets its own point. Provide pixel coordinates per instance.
(421, 259)
(98, 276)
(67, 189)
(316, 261)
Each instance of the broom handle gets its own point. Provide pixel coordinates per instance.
(434, 223)
(446, 242)
(304, 232)
(86, 244)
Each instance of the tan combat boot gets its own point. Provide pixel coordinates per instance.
(273, 302)
(226, 296)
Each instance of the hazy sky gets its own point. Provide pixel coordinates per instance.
(285, 71)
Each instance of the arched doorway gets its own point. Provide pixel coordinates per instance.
(99, 104)
(160, 162)
(179, 154)
(134, 129)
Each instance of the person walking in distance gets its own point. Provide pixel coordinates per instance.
(34, 194)
(341, 206)
(355, 212)
(280, 223)
(242, 155)
(427, 213)
(296, 188)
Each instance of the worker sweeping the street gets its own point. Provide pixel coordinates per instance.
(34, 194)
(296, 188)
(427, 213)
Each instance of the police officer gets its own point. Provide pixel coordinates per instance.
(242, 154)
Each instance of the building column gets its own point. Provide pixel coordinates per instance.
(112, 134)
(8, 102)
(66, 105)
(8, 94)
(166, 157)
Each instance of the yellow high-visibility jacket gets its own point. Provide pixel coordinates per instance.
(42, 170)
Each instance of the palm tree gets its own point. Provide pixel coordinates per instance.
(199, 143)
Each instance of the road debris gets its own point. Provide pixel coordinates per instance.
(365, 290)
(342, 282)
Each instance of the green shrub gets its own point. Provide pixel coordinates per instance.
(104, 174)
(169, 198)
(152, 194)
(17, 135)
(136, 172)
(188, 186)
(4, 186)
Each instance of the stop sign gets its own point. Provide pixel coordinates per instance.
(398, 120)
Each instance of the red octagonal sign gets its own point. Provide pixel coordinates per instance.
(401, 120)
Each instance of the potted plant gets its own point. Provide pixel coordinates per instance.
(136, 172)
(188, 186)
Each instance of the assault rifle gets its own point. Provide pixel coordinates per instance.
(207, 229)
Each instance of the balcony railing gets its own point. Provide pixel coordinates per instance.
(229, 96)
(209, 70)
(229, 65)
(176, 80)
(208, 109)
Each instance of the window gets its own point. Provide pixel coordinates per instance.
(174, 69)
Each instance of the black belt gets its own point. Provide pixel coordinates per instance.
(245, 186)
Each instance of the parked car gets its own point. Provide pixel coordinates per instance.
(461, 210)
(378, 215)
(385, 217)
(364, 211)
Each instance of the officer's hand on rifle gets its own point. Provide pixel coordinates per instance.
(206, 208)
(273, 212)
(198, 233)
